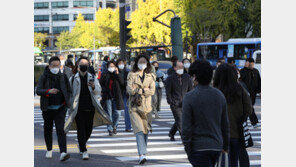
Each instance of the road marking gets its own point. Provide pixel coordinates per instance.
(130, 138)
(55, 147)
(115, 151)
(120, 133)
(165, 157)
(133, 144)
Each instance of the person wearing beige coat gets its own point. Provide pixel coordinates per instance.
(141, 81)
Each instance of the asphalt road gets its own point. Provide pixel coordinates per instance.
(121, 150)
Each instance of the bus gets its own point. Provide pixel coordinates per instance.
(161, 54)
(240, 49)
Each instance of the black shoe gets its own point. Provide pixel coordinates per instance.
(114, 131)
(110, 133)
(172, 138)
(128, 130)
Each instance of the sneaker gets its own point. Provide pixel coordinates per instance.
(110, 133)
(48, 154)
(85, 156)
(142, 159)
(128, 130)
(64, 156)
(114, 131)
(172, 138)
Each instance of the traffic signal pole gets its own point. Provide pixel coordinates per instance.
(176, 33)
(121, 29)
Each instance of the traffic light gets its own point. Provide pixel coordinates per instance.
(176, 35)
(127, 36)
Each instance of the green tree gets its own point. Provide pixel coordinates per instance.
(64, 41)
(39, 39)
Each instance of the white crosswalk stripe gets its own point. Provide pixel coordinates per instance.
(161, 151)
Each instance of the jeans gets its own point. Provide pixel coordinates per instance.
(84, 121)
(127, 119)
(142, 140)
(159, 96)
(58, 116)
(113, 114)
(204, 158)
(177, 112)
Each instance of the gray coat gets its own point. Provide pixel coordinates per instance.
(100, 117)
(68, 71)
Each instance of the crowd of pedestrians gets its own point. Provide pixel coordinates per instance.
(210, 106)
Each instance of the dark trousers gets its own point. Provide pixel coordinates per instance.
(237, 153)
(84, 121)
(159, 96)
(177, 112)
(58, 116)
(253, 116)
(204, 158)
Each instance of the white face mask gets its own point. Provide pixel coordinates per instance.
(187, 65)
(180, 71)
(62, 62)
(121, 66)
(54, 70)
(142, 66)
(111, 69)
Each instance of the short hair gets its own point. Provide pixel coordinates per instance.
(117, 62)
(230, 60)
(83, 57)
(185, 59)
(106, 58)
(70, 56)
(111, 61)
(202, 70)
(250, 59)
(54, 58)
(155, 62)
(174, 59)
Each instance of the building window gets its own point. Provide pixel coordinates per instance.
(58, 30)
(41, 5)
(60, 17)
(89, 17)
(41, 18)
(111, 5)
(41, 29)
(63, 4)
(83, 4)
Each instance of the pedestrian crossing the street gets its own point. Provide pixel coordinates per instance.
(161, 151)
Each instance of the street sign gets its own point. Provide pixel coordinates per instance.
(127, 8)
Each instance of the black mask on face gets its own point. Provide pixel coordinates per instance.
(83, 68)
(156, 68)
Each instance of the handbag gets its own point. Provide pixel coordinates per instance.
(219, 163)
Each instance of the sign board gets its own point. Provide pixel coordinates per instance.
(230, 50)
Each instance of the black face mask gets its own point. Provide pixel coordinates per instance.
(156, 68)
(83, 68)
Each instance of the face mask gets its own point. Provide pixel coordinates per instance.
(180, 71)
(121, 66)
(187, 65)
(156, 68)
(62, 62)
(111, 69)
(54, 70)
(142, 66)
(83, 68)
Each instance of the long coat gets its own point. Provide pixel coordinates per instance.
(100, 117)
(117, 86)
(141, 124)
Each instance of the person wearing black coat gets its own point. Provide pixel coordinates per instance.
(54, 89)
(112, 84)
(124, 72)
(251, 77)
(177, 85)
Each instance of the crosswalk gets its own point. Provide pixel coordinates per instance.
(161, 151)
